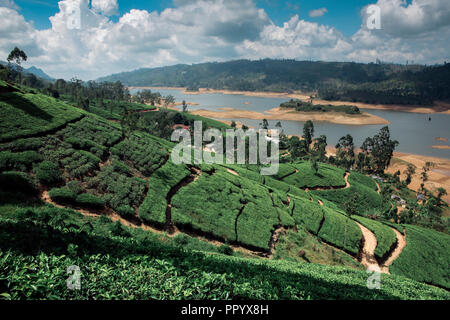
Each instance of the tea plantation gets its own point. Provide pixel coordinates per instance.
(79, 189)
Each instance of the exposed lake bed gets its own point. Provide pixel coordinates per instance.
(416, 131)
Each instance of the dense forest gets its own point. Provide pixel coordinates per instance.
(372, 83)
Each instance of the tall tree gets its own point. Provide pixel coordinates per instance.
(345, 153)
(410, 171)
(379, 151)
(320, 148)
(308, 133)
(17, 56)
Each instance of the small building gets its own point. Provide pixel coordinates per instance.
(421, 197)
(398, 199)
(377, 178)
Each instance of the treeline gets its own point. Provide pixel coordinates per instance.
(422, 87)
(374, 158)
(349, 81)
(265, 75)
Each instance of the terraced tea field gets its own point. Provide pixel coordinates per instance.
(79, 186)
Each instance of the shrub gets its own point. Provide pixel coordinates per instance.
(126, 211)
(48, 173)
(18, 160)
(62, 195)
(13, 181)
(226, 249)
(90, 201)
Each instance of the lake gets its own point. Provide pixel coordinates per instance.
(415, 133)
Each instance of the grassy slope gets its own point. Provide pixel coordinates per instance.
(82, 159)
(136, 265)
(385, 236)
(326, 176)
(30, 114)
(426, 256)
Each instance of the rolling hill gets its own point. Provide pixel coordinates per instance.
(76, 189)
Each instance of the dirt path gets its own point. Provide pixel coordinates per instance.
(368, 251)
(401, 243)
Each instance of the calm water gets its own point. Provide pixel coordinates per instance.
(414, 132)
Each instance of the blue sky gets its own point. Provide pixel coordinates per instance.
(112, 37)
(343, 15)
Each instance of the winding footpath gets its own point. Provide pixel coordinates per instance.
(370, 243)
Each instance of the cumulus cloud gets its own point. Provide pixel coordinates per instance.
(15, 31)
(194, 31)
(402, 19)
(106, 7)
(9, 4)
(318, 12)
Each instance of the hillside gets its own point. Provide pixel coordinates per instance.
(78, 189)
(346, 81)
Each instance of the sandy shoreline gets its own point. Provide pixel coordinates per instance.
(438, 107)
(286, 114)
(438, 176)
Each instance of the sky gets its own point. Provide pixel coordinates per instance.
(92, 38)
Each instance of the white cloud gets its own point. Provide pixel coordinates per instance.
(15, 31)
(106, 7)
(318, 12)
(216, 30)
(9, 4)
(400, 19)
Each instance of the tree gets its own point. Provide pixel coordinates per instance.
(168, 100)
(185, 107)
(314, 166)
(308, 133)
(320, 148)
(265, 124)
(233, 124)
(17, 56)
(378, 151)
(440, 193)
(410, 171)
(345, 154)
(424, 174)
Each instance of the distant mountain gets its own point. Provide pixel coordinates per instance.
(348, 81)
(267, 74)
(34, 70)
(39, 73)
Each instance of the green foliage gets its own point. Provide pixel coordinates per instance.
(359, 178)
(327, 176)
(18, 160)
(145, 154)
(153, 209)
(369, 201)
(35, 254)
(90, 201)
(307, 213)
(48, 173)
(117, 189)
(425, 258)
(301, 246)
(386, 238)
(62, 195)
(333, 231)
(24, 115)
(13, 181)
(226, 250)
(302, 106)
